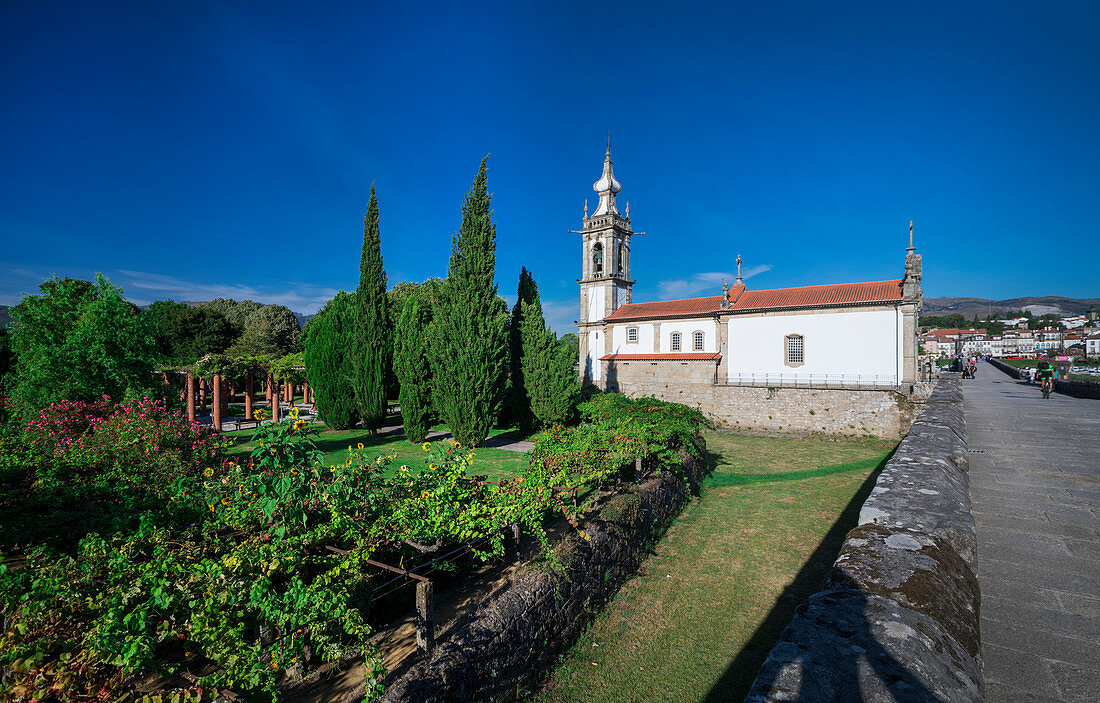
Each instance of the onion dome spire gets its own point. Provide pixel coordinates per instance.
(607, 186)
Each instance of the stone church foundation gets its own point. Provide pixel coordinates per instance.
(882, 412)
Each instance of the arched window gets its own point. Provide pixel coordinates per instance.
(675, 341)
(794, 350)
(619, 257)
(597, 259)
(632, 335)
(697, 341)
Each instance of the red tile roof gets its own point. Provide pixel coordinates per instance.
(775, 299)
(669, 308)
(818, 296)
(688, 356)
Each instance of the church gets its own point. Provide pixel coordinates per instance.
(719, 352)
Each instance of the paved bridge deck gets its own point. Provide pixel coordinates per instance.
(1036, 492)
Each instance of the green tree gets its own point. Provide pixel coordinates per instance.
(395, 303)
(269, 331)
(79, 341)
(412, 365)
(470, 325)
(327, 342)
(548, 368)
(519, 406)
(186, 333)
(236, 311)
(373, 338)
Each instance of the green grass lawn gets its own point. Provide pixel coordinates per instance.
(495, 463)
(702, 613)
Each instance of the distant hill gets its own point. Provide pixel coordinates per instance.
(982, 307)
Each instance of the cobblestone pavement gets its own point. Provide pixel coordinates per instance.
(1036, 493)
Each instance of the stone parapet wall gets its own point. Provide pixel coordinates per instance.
(1075, 387)
(883, 413)
(898, 615)
(1007, 368)
(509, 641)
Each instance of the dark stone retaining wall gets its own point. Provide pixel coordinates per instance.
(1075, 387)
(1007, 368)
(510, 640)
(897, 618)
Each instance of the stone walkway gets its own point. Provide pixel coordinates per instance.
(1036, 493)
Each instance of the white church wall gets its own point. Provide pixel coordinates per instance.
(620, 345)
(595, 351)
(687, 328)
(595, 304)
(859, 346)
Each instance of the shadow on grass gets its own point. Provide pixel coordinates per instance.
(733, 479)
(734, 684)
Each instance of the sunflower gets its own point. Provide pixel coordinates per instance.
(433, 467)
(226, 501)
(210, 506)
(347, 462)
(427, 446)
(426, 494)
(360, 445)
(208, 472)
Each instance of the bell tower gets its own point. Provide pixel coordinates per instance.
(605, 283)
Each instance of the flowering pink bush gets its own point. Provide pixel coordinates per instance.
(137, 442)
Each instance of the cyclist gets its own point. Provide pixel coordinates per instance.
(1046, 377)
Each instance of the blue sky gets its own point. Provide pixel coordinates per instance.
(203, 149)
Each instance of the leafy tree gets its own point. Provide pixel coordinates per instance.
(270, 330)
(327, 342)
(469, 328)
(236, 311)
(79, 341)
(395, 303)
(412, 365)
(186, 333)
(572, 342)
(373, 350)
(548, 368)
(518, 406)
(995, 327)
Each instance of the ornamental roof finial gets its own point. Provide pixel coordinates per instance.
(911, 247)
(739, 281)
(607, 186)
(586, 208)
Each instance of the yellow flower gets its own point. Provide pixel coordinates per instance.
(294, 471)
(433, 467)
(458, 446)
(211, 507)
(347, 462)
(360, 445)
(225, 501)
(427, 446)
(299, 424)
(332, 469)
(208, 471)
(425, 494)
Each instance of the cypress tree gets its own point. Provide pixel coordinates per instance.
(519, 407)
(470, 326)
(411, 364)
(327, 342)
(373, 345)
(548, 371)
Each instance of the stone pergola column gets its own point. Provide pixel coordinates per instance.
(202, 395)
(216, 406)
(275, 404)
(289, 390)
(269, 389)
(248, 389)
(305, 393)
(190, 396)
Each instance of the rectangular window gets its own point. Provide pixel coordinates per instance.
(675, 341)
(794, 349)
(632, 334)
(697, 341)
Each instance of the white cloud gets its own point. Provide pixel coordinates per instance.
(704, 283)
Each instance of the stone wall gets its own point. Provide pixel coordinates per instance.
(883, 413)
(897, 618)
(1076, 388)
(510, 640)
(1007, 368)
